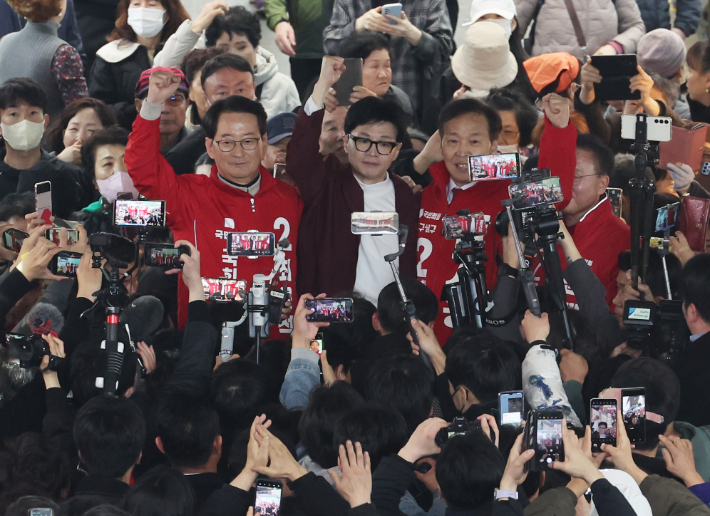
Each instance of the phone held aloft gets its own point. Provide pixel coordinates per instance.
(543, 433)
(165, 255)
(43, 201)
(224, 290)
(494, 167)
(137, 213)
(65, 263)
(13, 238)
(602, 419)
(511, 407)
(332, 310)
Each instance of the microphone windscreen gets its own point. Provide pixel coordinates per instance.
(143, 317)
(45, 318)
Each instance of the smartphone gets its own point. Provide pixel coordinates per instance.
(351, 77)
(330, 309)
(52, 234)
(658, 128)
(602, 418)
(224, 290)
(548, 439)
(165, 255)
(666, 217)
(456, 226)
(633, 411)
(251, 244)
(529, 195)
(392, 10)
(65, 263)
(492, 167)
(43, 200)
(13, 238)
(138, 213)
(374, 223)
(41, 512)
(317, 344)
(615, 196)
(511, 408)
(267, 501)
(616, 72)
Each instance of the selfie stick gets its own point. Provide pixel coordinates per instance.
(527, 275)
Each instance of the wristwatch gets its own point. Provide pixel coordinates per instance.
(499, 493)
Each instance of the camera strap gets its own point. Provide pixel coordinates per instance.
(581, 40)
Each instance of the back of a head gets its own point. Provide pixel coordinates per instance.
(466, 106)
(162, 491)
(325, 407)
(485, 365)
(109, 433)
(15, 92)
(468, 470)
(392, 316)
(374, 110)
(405, 383)
(106, 510)
(187, 428)
(603, 155)
(238, 390)
(662, 393)
(624, 170)
(237, 21)
(380, 430)
(695, 285)
(233, 104)
(24, 505)
(16, 205)
(362, 45)
(359, 333)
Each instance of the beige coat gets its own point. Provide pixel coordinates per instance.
(602, 21)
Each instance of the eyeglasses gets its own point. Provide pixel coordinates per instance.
(365, 144)
(176, 99)
(578, 179)
(248, 144)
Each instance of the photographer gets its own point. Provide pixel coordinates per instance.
(240, 194)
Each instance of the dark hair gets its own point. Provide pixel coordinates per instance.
(655, 274)
(602, 423)
(468, 470)
(176, 15)
(526, 115)
(233, 104)
(698, 57)
(374, 110)
(238, 389)
(106, 510)
(392, 316)
(485, 365)
(113, 135)
(237, 21)
(405, 383)
(317, 425)
(16, 205)
(457, 108)
(109, 434)
(23, 505)
(55, 133)
(622, 173)
(192, 64)
(695, 285)
(162, 491)
(380, 430)
(222, 61)
(603, 156)
(187, 427)
(22, 90)
(362, 45)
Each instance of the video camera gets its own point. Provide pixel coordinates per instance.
(459, 426)
(30, 350)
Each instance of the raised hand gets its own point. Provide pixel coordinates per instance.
(680, 461)
(589, 76)
(620, 455)
(305, 331)
(33, 265)
(355, 485)
(285, 38)
(535, 328)
(88, 278)
(208, 14)
(422, 443)
(332, 68)
(190, 271)
(557, 109)
(162, 86)
(514, 473)
(56, 348)
(578, 462)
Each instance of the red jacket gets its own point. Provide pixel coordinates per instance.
(436, 266)
(204, 209)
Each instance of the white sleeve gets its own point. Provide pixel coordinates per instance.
(311, 107)
(177, 46)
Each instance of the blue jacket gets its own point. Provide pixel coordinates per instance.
(656, 15)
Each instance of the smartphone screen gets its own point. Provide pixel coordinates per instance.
(511, 408)
(224, 290)
(139, 213)
(456, 226)
(317, 344)
(492, 167)
(549, 439)
(615, 196)
(65, 263)
(351, 77)
(334, 310)
(163, 255)
(250, 244)
(602, 417)
(633, 406)
(268, 497)
(529, 195)
(13, 238)
(43, 200)
(374, 223)
(666, 217)
(52, 234)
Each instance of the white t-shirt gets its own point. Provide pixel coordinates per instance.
(373, 272)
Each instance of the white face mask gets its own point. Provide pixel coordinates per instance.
(505, 24)
(119, 182)
(23, 136)
(508, 149)
(146, 22)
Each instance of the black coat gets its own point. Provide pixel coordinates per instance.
(694, 382)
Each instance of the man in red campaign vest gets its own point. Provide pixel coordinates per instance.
(468, 127)
(238, 196)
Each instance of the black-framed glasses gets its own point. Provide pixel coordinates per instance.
(365, 144)
(248, 144)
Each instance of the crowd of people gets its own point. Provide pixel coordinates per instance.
(219, 388)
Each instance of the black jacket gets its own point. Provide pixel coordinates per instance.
(694, 382)
(203, 485)
(185, 154)
(94, 491)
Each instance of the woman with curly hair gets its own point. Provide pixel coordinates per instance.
(36, 52)
(142, 28)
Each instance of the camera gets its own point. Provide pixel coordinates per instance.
(30, 350)
(459, 426)
(118, 250)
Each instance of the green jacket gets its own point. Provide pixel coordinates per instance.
(308, 18)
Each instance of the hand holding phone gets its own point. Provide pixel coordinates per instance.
(268, 497)
(602, 420)
(332, 310)
(43, 201)
(511, 408)
(577, 461)
(351, 77)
